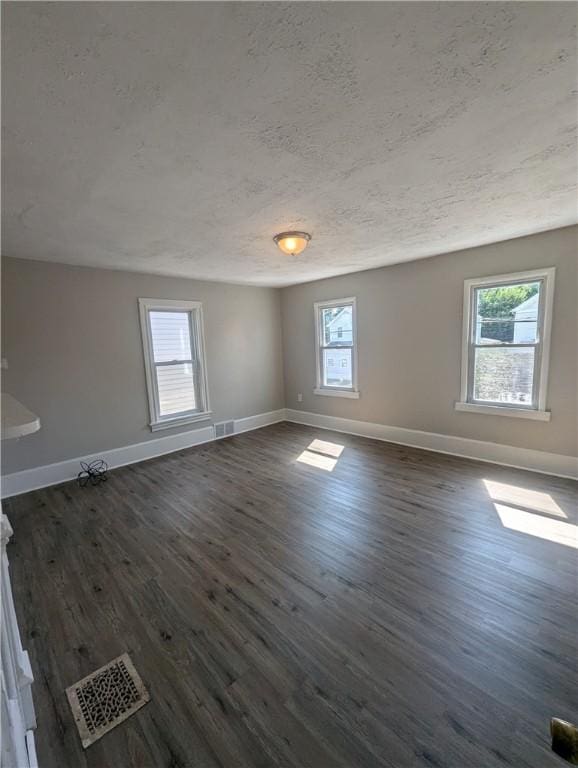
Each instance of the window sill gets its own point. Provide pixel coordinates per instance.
(504, 410)
(180, 421)
(350, 393)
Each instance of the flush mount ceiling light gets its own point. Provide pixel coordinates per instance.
(292, 243)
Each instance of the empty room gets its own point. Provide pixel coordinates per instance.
(289, 385)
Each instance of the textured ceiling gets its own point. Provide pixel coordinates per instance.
(178, 138)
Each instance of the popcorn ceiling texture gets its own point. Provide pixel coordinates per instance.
(178, 138)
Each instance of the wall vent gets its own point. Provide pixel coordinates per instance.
(224, 428)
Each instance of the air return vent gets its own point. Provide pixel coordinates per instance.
(106, 698)
(224, 428)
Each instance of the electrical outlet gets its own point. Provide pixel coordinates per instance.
(299, 397)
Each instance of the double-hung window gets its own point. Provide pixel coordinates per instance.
(173, 343)
(336, 348)
(506, 341)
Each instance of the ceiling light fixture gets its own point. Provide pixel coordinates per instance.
(292, 243)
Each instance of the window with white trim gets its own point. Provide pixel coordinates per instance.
(173, 343)
(506, 342)
(336, 348)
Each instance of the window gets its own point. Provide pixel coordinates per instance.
(506, 340)
(172, 333)
(335, 333)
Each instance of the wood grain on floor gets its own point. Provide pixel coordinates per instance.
(289, 604)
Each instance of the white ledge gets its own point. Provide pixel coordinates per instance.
(17, 420)
(352, 394)
(180, 421)
(504, 410)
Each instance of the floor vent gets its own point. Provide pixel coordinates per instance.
(105, 698)
(224, 428)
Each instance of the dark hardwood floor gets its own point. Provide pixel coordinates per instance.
(281, 614)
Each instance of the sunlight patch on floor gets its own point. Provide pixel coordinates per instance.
(538, 525)
(324, 446)
(535, 501)
(317, 460)
(321, 454)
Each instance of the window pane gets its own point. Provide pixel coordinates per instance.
(504, 375)
(507, 314)
(337, 368)
(176, 388)
(170, 332)
(337, 325)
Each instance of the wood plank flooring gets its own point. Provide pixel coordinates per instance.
(281, 614)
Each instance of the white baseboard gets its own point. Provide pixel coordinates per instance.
(521, 458)
(51, 474)
(494, 453)
(260, 420)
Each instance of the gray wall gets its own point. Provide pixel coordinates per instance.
(71, 336)
(409, 334)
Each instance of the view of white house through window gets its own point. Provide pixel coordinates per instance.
(336, 345)
(507, 323)
(172, 337)
(505, 344)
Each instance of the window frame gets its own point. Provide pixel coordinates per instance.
(194, 309)
(537, 410)
(320, 388)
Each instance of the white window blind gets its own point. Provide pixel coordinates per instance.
(173, 344)
(173, 361)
